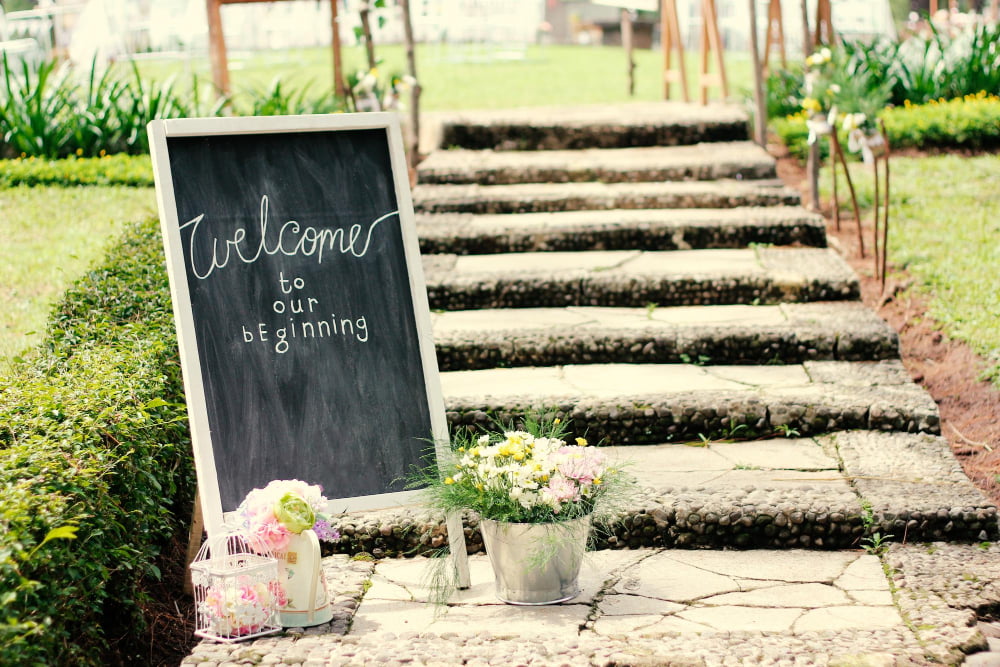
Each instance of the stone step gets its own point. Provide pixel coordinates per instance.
(549, 197)
(630, 404)
(619, 229)
(735, 334)
(825, 492)
(597, 126)
(637, 278)
(699, 162)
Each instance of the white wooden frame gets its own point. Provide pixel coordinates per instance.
(208, 483)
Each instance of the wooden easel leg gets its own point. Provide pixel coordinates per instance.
(459, 554)
(195, 534)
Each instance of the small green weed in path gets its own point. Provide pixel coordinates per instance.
(48, 237)
(944, 230)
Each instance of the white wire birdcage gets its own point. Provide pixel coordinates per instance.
(237, 592)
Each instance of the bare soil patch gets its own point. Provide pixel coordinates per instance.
(948, 369)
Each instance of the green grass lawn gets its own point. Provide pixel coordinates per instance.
(451, 78)
(49, 236)
(944, 229)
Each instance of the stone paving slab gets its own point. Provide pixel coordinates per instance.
(701, 162)
(619, 229)
(892, 471)
(635, 278)
(730, 334)
(649, 403)
(646, 607)
(548, 197)
(583, 126)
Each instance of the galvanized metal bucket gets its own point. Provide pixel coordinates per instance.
(536, 563)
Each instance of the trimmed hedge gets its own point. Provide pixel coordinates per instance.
(92, 435)
(971, 123)
(118, 169)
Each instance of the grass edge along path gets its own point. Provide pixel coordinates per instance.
(944, 228)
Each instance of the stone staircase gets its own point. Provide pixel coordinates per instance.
(640, 272)
(637, 271)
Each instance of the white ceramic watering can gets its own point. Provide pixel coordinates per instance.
(308, 602)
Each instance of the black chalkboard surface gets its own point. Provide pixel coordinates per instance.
(300, 304)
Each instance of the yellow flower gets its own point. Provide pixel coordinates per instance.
(597, 481)
(449, 480)
(812, 104)
(519, 456)
(79, 152)
(557, 421)
(582, 442)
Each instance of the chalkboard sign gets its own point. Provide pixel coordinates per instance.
(300, 305)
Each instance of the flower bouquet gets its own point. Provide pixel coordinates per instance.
(271, 516)
(288, 518)
(536, 496)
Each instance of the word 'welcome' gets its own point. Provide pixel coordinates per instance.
(291, 239)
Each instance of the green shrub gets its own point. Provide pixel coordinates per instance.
(972, 122)
(119, 169)
(93, 434)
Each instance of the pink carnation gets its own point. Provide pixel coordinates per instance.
(561, 490)
(583, 465)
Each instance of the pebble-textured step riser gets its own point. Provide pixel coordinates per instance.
(488, 203)
(638, 420)
(699, 163)
(443, 234)
(929, 499)
(722, 347)
(530, 137)
(632, 292)
(699, 524)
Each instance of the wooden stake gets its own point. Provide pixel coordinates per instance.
(671, 36)
(711, 41)
(627, 43)
(760, 117)
(339, 84)
(812, 164)
(885, 220)
(366, 30)
(850, 188)
(875, 218)
(833, 169)
(775, 32)
(411, 66)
